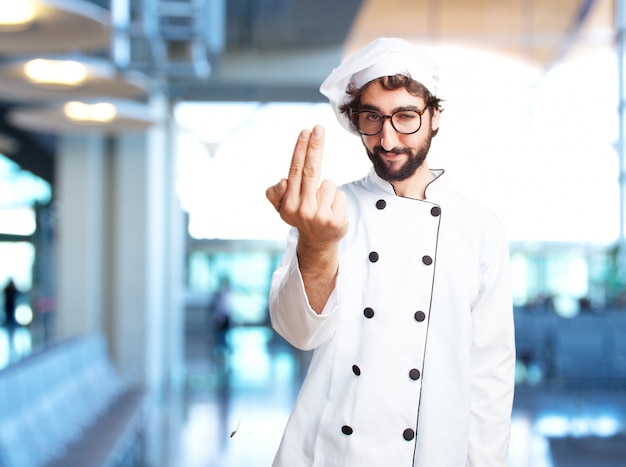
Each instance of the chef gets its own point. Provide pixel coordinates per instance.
(400, 284)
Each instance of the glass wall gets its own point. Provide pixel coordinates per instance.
(23, 197)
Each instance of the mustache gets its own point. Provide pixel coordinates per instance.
(378, 150)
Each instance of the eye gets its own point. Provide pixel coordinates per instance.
(406, 116)
(372, 116)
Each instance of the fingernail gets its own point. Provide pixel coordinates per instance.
(317, 132)
(304, 135)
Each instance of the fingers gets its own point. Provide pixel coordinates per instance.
(296, 168)
(332, 205)
(297, 198)
(313, 164)
(326, 197)
(340, 205)
(306, 163)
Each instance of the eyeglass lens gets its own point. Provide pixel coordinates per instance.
(404, 121)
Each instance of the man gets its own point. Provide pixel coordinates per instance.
(10, 302)
(400, 284)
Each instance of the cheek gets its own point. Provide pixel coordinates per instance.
(413, 141)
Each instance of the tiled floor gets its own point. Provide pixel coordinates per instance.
(563, 427)
(233, 415)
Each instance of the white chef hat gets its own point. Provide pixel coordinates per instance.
(381, 57)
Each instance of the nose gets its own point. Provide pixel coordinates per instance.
(388, 136)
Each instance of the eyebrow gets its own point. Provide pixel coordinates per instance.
(373, 108)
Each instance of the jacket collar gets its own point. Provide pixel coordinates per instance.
(435, 190)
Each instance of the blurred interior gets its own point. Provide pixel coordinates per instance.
(132, 181)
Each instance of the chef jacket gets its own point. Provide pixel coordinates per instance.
(414, 350)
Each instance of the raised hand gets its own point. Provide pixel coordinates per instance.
(317, 210)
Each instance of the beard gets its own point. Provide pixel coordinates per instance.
(408, 169)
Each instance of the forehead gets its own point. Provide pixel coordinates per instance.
(376, 95)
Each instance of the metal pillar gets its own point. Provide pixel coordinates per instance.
(620, 43)
(620, 27)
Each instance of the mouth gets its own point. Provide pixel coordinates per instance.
(391, 156)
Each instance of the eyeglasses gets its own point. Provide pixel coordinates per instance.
(370, 123)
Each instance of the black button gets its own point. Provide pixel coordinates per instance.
(420, 316)
(427, 260)
(368, 312)
(346, 430)
(414, 374)
(408, 434)
(435, 211)
(357, 371)
(381, 204)
(373, 256)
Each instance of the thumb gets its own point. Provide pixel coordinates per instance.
(276, 193)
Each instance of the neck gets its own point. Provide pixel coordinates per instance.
(414, 186)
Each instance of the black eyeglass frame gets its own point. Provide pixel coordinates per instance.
(354, 118)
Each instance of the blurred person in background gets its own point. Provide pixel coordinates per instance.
(10, 304)
(219, 315)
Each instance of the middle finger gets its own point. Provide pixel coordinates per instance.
(296, 168)
(313, 164)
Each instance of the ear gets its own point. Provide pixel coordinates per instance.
(434, 120)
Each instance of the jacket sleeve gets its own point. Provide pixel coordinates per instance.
(492, 370)
(291, 314)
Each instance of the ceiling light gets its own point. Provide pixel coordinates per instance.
(110, 116)
(101, 112)
(17, 16)
(55, 73)
(101, 81)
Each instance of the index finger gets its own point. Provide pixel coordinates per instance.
(306, 161)
(296, 168)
